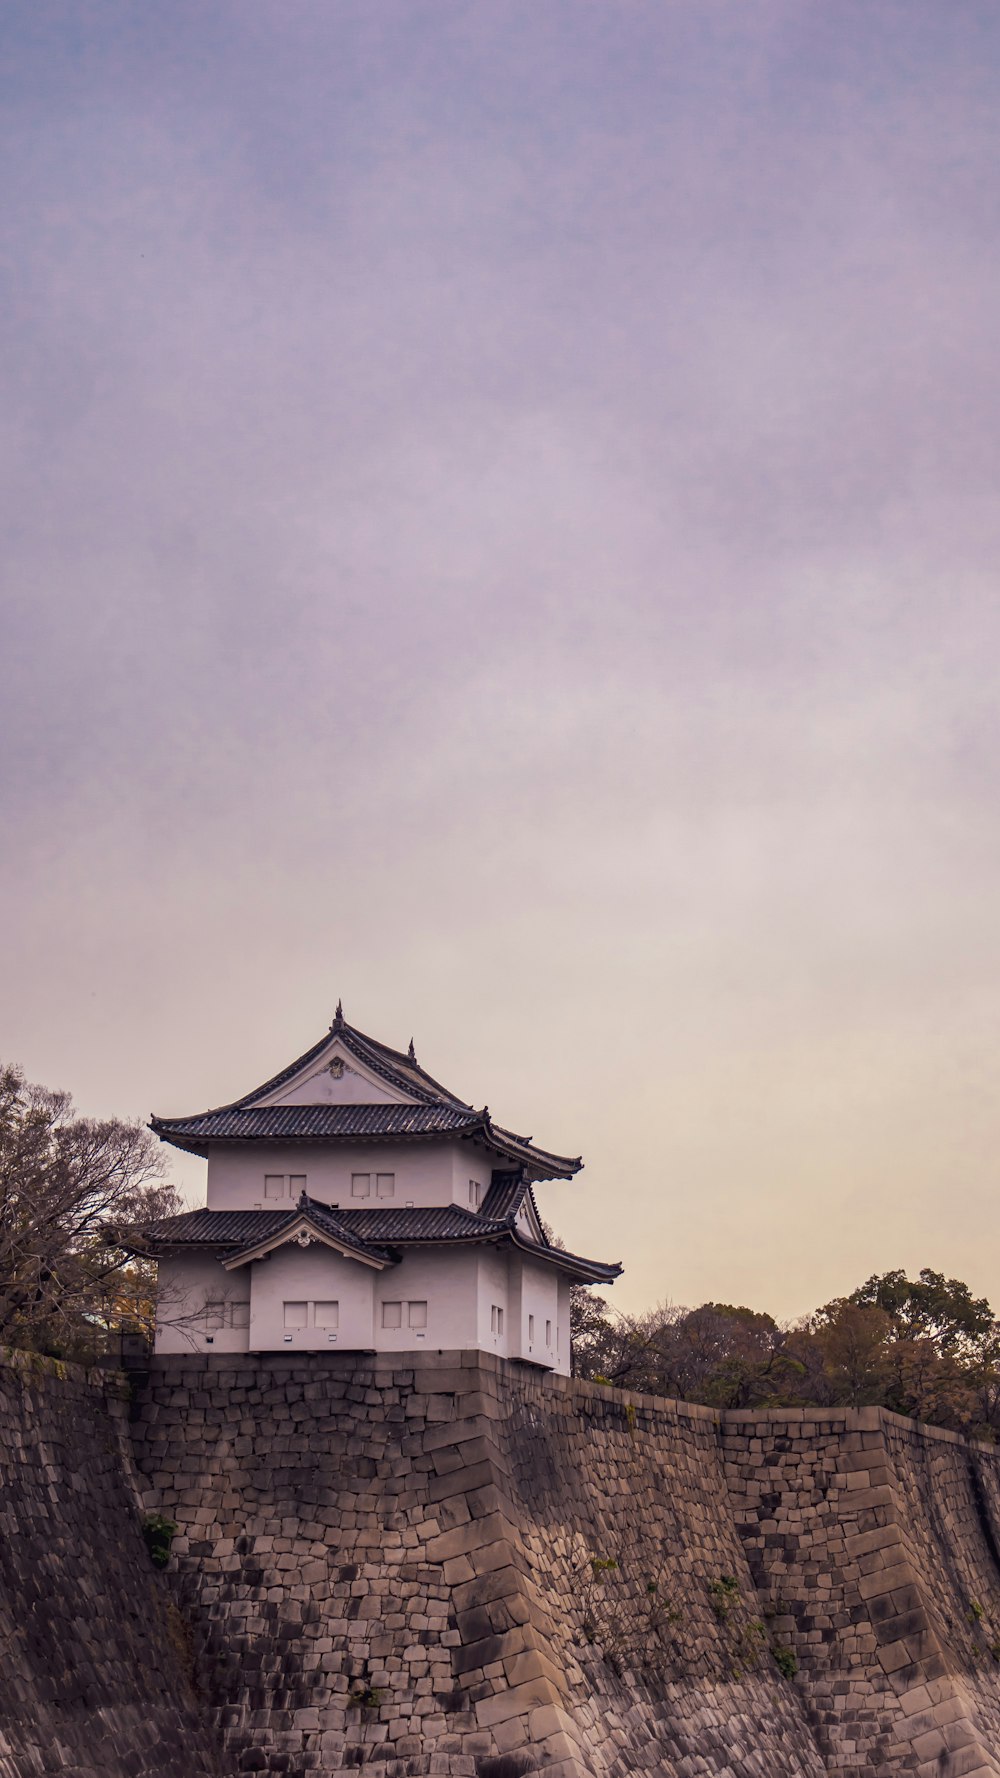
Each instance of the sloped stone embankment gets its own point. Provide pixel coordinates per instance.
(94, 1679)
(447, 1564)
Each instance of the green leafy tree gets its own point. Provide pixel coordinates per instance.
(931, 1307)
(853, 1339)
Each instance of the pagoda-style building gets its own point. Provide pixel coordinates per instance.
(356, 1204)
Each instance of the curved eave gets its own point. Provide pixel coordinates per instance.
(539, 1163)
(172, 1130)
(584, 1271)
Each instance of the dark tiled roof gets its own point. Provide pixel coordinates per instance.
(505, 1195)
(323, 1217)
(300, 1122)
(393, 1066)
(444, 1222)
(374, 1122)
(354, 1123)
(376, 1228)
(588, 1271)
(373, 1231)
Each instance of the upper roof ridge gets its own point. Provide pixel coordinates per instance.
(397, 1069)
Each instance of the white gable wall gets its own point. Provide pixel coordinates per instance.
(349, 1083)
(426, 1173)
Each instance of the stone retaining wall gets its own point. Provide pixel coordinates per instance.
(869, 1540)
(93, 1657)
(444, 1564)
(439, 1566)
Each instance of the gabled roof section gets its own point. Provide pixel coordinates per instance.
(309, 1222)
(350, 1088)
(316, 1123)
(376, 1236)
(399, 1071)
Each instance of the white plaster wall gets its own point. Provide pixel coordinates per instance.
(356, 1085)
(493, 1289)
(185, 1286)
(310, 1274)
(459, 1286)
(446, 1279)
(538, 1298)
(425, 1173)
(563, 1354)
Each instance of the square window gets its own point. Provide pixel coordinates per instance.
(326, 1314)
(531, 1327)
(361, 1185)
(274, 1185)
(392, 1314)
(295, 1314)
(215, 1314)
(385, 1185)
(296, 1184)
(239, 1314)
(417, 1315)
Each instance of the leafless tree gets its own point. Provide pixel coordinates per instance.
(66, 1184)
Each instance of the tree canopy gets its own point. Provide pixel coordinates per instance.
(923, 1346)
(66, 1183)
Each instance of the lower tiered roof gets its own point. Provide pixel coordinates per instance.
(376, 1235)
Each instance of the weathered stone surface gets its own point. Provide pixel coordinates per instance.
(564, 1619)
(94, 1677)
(465, 1568)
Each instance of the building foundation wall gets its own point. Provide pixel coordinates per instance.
(456, 1565)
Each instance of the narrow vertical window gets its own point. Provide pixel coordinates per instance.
(548, 1333)
(531, 1327)
(496, 1319)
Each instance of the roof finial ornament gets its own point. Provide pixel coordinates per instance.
(303, 1203)
(338, 1017)
(411, 1052)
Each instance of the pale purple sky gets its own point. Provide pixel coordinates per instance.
(499, 522)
